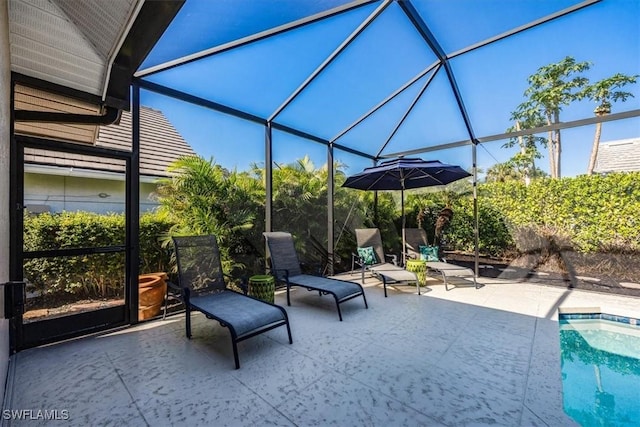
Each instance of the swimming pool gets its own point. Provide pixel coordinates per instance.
(600, 362)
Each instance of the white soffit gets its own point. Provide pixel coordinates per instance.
(68, 42)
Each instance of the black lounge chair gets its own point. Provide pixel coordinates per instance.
(416, 237)
(285, 267)
(202, 288)
(385, 271)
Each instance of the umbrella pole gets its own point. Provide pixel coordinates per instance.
(375, 208)
(404, 255)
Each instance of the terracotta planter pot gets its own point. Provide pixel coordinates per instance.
(152, 289)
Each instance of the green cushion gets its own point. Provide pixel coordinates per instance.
(429, 253)
(367, 255)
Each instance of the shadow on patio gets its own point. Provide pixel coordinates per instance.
(446, 358)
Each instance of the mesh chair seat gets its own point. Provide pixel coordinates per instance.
(285, 267)
(383, 270)
(343, 290)
(203, 289)
(245, 315)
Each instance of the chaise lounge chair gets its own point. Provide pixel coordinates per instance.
(387, 272)
(416, 237)
(413, 239)
(285, 267)
(202, 288)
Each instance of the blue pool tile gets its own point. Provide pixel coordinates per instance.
(599, 316)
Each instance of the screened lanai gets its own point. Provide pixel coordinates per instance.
(332, 87)
(350, 84)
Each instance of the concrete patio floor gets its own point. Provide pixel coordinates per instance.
(464, 357)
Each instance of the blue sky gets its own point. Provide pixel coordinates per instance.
(258, 77)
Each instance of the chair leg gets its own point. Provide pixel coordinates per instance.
(365, 300)
(384, 285)
(236, 359)
(187, 319)
(166, 303)
(289, 332)
(288, 298)
(338, 306)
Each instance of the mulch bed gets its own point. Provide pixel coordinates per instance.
(571, 270)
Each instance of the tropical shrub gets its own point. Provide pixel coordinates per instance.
(96, 275)
(594, 213)
(494, 237)
(205, 198)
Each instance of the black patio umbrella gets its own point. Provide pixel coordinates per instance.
(404, 174)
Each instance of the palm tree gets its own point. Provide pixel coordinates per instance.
(604, 93)
(552, 87)
(526, 116)
(204, 198)
(502, 172)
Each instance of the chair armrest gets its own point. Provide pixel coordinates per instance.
(174, 287)
(356, 258)
(410, 255)
(186, 295)
(281, 274)
(244, 281)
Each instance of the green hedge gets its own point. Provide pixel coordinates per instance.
(494, 237)
(591, 213)
(588, 213)
(98, 275)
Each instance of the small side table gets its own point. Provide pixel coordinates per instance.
(262, 286)
(419, 267)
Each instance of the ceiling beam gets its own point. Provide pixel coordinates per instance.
(430, 39)
(386, 100)
(196, 100)
(202, 102)
(525, 27)
(504, 136)
(331, 58)
(252, 38)
(152, 20)
(406, 113)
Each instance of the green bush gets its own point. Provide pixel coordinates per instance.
(588, 213)
(494, 237)
(595, 213)
(97, 275)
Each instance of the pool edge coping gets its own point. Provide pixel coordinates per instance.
(594, 313)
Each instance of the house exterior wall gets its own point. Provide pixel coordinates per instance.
(5, 133)
(56, 193)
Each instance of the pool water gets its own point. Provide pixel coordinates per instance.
(600, 363)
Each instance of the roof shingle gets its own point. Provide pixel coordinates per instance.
(618, 156)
